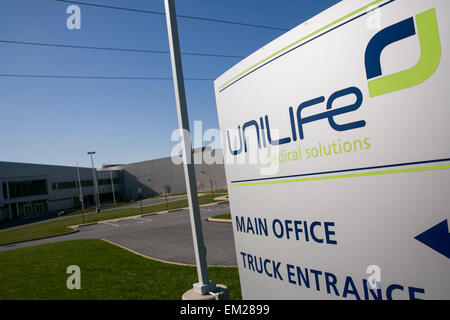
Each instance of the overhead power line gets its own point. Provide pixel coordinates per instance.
(111, 7)
(179, 16)
(232, 22)
(97, 77)
(117, 49)
(249, 8)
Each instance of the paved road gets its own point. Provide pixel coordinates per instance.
(164, 236)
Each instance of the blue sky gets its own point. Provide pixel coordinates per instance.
(56, 121)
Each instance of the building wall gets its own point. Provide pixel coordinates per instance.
(151, 176)
(62, 191)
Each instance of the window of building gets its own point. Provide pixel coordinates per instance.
(27, 188)
(87, 183)
(5, 191)
(67, 185)
(103, 182)
(31, 209)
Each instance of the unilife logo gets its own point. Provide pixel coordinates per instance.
(430, 54)
(379, 84)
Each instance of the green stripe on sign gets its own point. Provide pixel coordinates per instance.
(298, 41)
(350, 175)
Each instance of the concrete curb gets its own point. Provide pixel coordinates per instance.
(147, 215)
(160, 260)
(42, 238)
(142, 215)
(75, 227)
(222, 202)
(224, 198)
(219, 220)
(84, 225)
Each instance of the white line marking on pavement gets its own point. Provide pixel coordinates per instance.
(143, 220)
(111, 224)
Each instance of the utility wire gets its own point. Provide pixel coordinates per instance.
(116, 49)
(180, 16)
(271, 12)
(231, 22)
(98, 77)
(111, 7)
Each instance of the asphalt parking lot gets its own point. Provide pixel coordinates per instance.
(165, 236)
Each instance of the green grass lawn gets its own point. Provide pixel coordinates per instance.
(107, 272)
(223, 216)
(169, 195)
(57, 227)
(104, 207)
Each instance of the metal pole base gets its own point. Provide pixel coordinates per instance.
(220, 292)
(204, 288)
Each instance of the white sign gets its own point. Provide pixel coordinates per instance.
(337, 150)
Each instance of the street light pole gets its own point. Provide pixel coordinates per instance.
(140, 199)
(81, 192)
(94, 177)
(165, 196)
(112, 183)
(204, 286)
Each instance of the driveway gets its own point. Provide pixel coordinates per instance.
(165, 236)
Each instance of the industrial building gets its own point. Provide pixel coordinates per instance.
(150, 177)
(33, 190)
(30, 190)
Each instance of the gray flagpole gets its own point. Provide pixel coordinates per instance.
(204, 286)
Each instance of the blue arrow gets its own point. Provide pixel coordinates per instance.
(437, 238)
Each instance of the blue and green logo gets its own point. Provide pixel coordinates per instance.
(430, 55)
